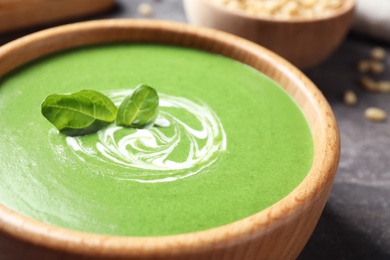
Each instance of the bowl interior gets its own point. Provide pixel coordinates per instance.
(347, 6)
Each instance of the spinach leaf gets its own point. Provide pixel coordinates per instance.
(140, 109)
(80, 113)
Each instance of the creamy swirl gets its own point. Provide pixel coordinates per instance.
(187, 138)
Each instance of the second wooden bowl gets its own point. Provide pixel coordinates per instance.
(304, 42)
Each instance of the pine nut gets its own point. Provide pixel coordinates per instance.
(350, 98)
(377, 67)
(364, 66)
(383, 86)
(145, 9)
(285, 9)
(367, 83)
(375, 114)
(378, 53)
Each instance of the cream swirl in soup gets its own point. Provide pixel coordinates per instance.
(153, 150)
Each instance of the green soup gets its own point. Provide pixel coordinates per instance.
(234, 143)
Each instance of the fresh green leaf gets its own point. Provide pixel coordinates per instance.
(140, 109)
(80, 113)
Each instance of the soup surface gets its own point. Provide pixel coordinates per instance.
(232, 144)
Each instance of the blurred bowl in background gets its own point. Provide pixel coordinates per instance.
(22, 14)
(305, 42)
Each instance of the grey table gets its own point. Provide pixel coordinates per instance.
(356, 221)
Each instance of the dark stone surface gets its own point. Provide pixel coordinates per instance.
(356, 221)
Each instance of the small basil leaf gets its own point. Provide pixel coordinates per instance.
(140, 109)
(80, 113)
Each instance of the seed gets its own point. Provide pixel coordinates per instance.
(383, 86)
(350, 98)
(377, 67)
(145, 9)
(285, 9)
(308, 3)
(364, 66)
(378, 53)
(375, 114)
(368, 83)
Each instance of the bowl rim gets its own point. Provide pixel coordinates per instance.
(67, 240)
(348, 6)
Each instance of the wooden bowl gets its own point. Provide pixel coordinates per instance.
(304, 42)
(22, 14)
(278, 232)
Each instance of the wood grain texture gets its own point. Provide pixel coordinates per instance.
(21, 14)
(278, 232)
(303, 42)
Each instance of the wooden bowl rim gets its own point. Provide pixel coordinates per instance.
(57, 238)
(348, 7)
